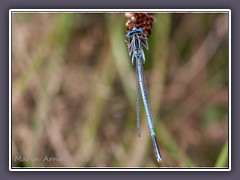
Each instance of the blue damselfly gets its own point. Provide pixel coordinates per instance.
(136, 42)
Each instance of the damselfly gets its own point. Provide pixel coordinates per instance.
(137, 40)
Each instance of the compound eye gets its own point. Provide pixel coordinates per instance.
(140, 30)
(128, 34)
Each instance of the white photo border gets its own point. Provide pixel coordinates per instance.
(118, 11)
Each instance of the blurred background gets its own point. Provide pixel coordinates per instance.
(73, 91)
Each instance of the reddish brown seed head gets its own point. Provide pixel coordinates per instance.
(137, 20)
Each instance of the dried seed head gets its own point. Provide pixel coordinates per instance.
(137, 20)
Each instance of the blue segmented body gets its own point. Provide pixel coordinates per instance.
(135, 50)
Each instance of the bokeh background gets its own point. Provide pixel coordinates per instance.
(73, 91)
